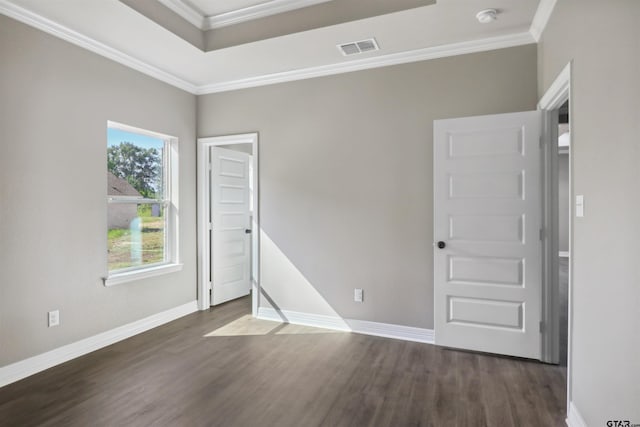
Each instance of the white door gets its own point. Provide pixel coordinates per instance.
(487, 219)
(230, 224)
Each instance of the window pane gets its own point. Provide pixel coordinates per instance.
(135, 160)
(136, 234)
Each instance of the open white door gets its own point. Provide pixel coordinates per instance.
(487, 227)
(230, 222)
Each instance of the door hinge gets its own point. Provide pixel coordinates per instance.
(541, 141)
(541, 326)
(210, 226)
(210, 286)
(542, 234)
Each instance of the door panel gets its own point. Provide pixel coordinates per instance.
(230, 217)
(487, 212)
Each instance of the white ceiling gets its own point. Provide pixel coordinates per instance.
(113, 29)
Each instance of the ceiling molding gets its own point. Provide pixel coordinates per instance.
(205, 23)
(262, 10)
(541, 18)
(23, 15)
(424, 54)
(186, 11)
(452, 49)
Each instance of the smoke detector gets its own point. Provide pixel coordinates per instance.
(354, 48)
(486, 16)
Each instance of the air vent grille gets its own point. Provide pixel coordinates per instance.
(355, 48)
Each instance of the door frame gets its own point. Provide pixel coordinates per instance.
(558, 93)
(203, 184)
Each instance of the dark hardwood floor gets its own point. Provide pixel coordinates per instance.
(175, 375)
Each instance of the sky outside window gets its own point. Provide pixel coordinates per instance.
(116, 136)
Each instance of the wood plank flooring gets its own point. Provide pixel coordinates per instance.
(207, 369)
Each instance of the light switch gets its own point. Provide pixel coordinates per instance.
(579, 206)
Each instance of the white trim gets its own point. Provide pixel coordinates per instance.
(204, 23)
(541, 18)
(387, 330)
(257, 11)
(558, 92)
(203, 202)
(423, 54)
(186, 11)
(23, 15)
(139, 274)
(305, 319)
(24, 368)
(564, 254)
(133, 129)
(574, 419)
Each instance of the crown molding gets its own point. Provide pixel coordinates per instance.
(186, 11)
(541, 18)
(205, 23)
(262, 10)
(23, 15)
(424, 54)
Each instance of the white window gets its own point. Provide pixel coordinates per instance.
(141, 203)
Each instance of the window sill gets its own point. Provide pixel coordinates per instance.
(130, 276)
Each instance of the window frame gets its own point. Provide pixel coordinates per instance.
(169, 201)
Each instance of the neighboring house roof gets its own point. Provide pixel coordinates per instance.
(120, 187)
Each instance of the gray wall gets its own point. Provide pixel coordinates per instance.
(346, 176)
(55, 100)
(603, 40)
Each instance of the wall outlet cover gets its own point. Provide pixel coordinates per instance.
(54, 318)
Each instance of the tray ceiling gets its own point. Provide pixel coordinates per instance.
(114, 30)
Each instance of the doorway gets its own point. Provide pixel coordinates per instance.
(478, 287)
(564, 221)
(228, 219)
(559, 212)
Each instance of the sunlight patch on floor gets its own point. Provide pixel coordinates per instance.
(248, 325)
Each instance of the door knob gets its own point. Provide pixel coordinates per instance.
(441, 244)
(247, 231)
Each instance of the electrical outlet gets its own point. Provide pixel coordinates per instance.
(357, 295)
(54, 318)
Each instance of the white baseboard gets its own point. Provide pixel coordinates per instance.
(24, 368)
(386, 330)
(305, 319)
(574, 419)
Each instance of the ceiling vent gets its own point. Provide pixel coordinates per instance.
(354, 48)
